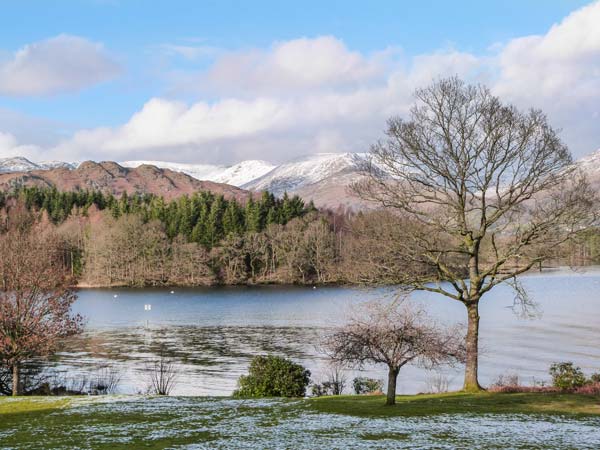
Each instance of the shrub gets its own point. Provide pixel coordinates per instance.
(595, 378)
(364, 385)
(334, 385)
(589, 389)
(566, 376)
(328, 388)
(517, 389)
(506, 380)
(273, 376)
(318, 390)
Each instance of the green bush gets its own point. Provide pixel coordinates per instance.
(273, 376)
(364, 385)
(566, 376)
(595, 378)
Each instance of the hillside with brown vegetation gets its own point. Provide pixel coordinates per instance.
(110, 177)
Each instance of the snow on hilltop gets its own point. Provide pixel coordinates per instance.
(244, 172)
(323, 178)
(20, 164)
(303, 172)
(590, 163)
(261, 175)
(236, 175)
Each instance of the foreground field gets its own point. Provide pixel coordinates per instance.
(448, 420)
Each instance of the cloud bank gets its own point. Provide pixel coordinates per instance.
(311, 95)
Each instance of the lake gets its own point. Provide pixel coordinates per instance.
(212, 333)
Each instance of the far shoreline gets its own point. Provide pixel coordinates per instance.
(332, 284)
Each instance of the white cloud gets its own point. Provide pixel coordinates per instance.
(298, 65)
(9, 147)
(309, 95)
(60, 64)
(567, 57)
(560, 73)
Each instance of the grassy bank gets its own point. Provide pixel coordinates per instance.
(334, 422)
(459, 403)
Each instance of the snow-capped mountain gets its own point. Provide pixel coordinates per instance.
(17, 164)
(303, 172)
(245, 172)
(236, 175)
(261, 175)
(20, 164)
(323, 178)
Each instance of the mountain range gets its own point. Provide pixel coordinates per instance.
(110, 177)
(323, 178)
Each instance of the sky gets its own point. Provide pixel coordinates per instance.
(225, 81)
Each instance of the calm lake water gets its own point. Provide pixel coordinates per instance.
(212, 333)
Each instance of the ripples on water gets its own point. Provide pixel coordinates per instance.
(213, 333)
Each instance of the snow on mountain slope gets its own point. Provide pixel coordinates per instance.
(236, 175)
(17, 164)
(303, 172)
(46, 165)
(199, 171)
(323, 178)
(20, 164)
(244, 172)
(590, 163)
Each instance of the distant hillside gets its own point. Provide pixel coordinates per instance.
(20, 164)
(236, 175)
(110, 177)
(590, 165)
(323, 178)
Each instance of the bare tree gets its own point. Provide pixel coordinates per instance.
(395, 334)
(490, 192)
(106, 380)
(162, 374)
(334, 384)
(35, 298)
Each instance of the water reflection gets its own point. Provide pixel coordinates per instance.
(213, 333)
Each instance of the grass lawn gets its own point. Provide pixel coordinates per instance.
(112, 422)
(459, 403)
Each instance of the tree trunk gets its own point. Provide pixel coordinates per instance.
(16, 380)
(391, 388)
(472, 345)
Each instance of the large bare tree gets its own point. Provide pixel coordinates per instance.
(393, 333)
(490, 192)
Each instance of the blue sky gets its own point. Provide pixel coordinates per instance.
(220, 81)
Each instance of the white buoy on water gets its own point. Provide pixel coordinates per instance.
(172, 292)
(115, 296)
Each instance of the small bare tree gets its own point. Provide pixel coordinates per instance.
(35, 298)
(334, 384)
(162, 374)
(395, 334)
(106, 380)
(488, 191)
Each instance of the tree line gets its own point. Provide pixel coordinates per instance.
(202, 239)
(142, 240)
(203, 217)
